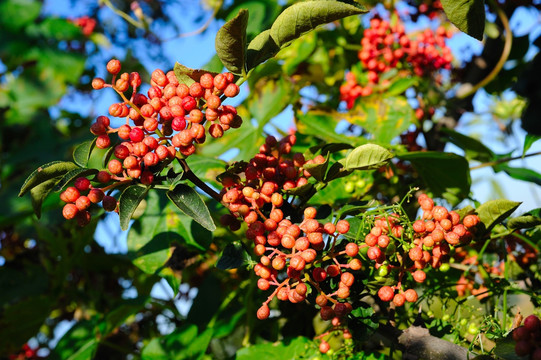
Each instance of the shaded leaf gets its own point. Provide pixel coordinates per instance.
(188, 76)
(233, 257)
(81, 154)
(73, 174)
(129, 201)
(473, 148)
(467, 15)
(368, 156)
(494, 212)
(46, 172)
(434, 168)
(231, 43)
(79, 343)
(523, 222)
(40, 192)
(190, 203)
(260, 49)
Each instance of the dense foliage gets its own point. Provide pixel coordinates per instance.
(306, 194)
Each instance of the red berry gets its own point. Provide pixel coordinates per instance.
(352, 249)
(419, 276)
(399, 299)
(411, 295)
(95, 195)
(109, 203)
(69, 211)
(113, 66)
(532, 323)
(263, 312)
(324, 347)
(342, 226)
(386, 293)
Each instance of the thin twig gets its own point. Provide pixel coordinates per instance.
(504, 160)
(503, 58)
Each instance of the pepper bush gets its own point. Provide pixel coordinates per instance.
(306, 194)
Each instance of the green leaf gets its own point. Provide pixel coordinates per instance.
(40, 192)
(323, 126)
(81, 154)
(151, 237)
(494, 212)
(473, 148)
(528, 142)
(233, 257)
(305, 16)
(298, 348)
(231, 43)
(79, 343)
(467, 15)
(434, 168)
(523, 174)
(260, 49)
(368, 156)
(73, 174)
(46, 172)
(402, 84)
(317, 170)
(525, 221)
(188, 76)
(385, 118)
(269, 100)
(206, 168)
(16, 14)
(129, 201)
(57, 28)
(117, 316)
(190, 203)
(23, 320)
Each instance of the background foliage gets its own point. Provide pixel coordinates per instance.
(179, 288)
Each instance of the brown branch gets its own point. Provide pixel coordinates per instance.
(419, 344)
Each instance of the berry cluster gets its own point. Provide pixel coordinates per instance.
(159, 126)
(469, 282)
(86, 23)
(82, 195)
(26, 353)
(295, 259)
(266, 176)
(528, 338)
(428, 244)
(386, 46)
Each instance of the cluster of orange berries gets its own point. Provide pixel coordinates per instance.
(160, 126)
(386, 46)
(81, 196)
(528, 338)
(291, 255)
(266, 176)
(429, 245)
